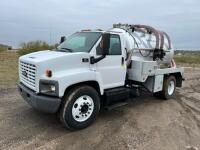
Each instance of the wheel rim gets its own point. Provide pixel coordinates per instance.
(83, 108)
(171, 87)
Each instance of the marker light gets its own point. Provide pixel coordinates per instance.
(48, 73)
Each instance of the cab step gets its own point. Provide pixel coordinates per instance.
(116, 105)
(116, 95)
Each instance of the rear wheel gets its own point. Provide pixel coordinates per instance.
(80, 108)
(169, 87)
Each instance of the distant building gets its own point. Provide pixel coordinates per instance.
(6, 47)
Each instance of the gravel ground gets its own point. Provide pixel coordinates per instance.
(146, 123)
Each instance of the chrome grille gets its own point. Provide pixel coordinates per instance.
(27, 74)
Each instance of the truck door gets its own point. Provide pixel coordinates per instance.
(112, 69)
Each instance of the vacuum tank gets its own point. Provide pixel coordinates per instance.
(148, 44)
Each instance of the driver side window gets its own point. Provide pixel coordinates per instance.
(115, 46)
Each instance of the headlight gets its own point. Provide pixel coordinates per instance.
(49, 87)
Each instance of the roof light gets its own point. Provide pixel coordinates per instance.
(85, 30)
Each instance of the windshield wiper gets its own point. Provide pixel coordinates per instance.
(66, 49)
(63, 49)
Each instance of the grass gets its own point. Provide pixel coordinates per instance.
(34, 46)
(8, 69)
(188, 60)
(2, 49)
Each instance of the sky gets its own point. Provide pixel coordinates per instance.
(48, 20)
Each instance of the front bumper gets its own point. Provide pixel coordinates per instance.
(47, 104)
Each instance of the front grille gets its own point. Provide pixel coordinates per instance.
(27, 74)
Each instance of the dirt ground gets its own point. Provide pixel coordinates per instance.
(146, 123)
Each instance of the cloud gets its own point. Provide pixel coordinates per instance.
(23, 20)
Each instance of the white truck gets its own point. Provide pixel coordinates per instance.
(94, 69)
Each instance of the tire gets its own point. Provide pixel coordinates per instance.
(169, 87)
(80, 107)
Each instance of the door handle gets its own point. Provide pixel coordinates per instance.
(122, 62)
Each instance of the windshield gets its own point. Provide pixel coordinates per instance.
(80, 42)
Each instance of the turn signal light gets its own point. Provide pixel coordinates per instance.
(48, 73)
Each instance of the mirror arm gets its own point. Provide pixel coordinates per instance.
(94, 60)
(126, 54)
(62, 39)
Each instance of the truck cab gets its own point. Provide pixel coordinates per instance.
(90, 70)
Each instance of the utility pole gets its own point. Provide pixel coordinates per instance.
(50, 35)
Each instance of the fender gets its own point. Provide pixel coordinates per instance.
(74, 76)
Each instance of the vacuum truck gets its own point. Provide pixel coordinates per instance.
(94, 69)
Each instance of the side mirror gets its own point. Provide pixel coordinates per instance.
(62, 39)
(105, 43)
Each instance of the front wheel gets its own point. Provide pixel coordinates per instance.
(80, 108)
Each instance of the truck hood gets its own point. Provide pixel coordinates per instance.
(45, 55)
(60, 63)
(56, 61)
(48, 55)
